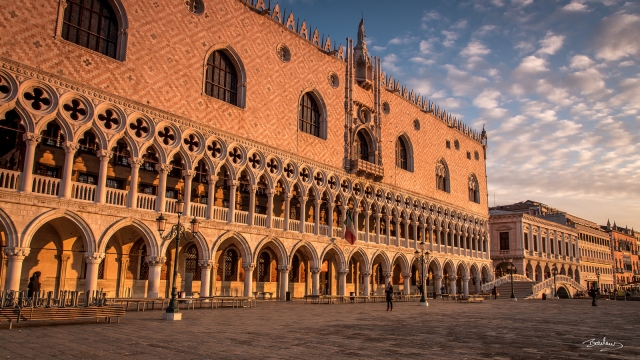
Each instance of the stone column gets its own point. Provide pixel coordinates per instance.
(465, 286)
(284, 281)
(452, 284)
(315, 281)
(407, 283)
(407, 222)
(356, 217)
(205, 277)
(70, 149)
(387, 277)
(101, 191)
(303, 212)
(316, 216)
(62, 278)
(188, 176)
(342, 280)
(31, 140)
(15, 257)
(431, 247)
(252, 204)
(330, 206)
(397, 221)
(233, 184)
(343, 215)
(155, 271)
(162, 169)
(91, 276)
(439, 239)
(437, 284)
(479, 285)
(270, 194)
(415, 235)
(248, 278)
(214, 280)
(366, 225)
(378, 215)
(212, 179)
(366, 277)
(132, 197)
(287, 210)
(388, 219)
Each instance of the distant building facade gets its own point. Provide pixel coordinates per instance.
(624, 250)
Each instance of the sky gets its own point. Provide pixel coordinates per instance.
(555, 83)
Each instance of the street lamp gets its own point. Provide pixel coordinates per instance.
(598, 276)
(423, 288)
(173, 310)
(554, 271)
(512, 269)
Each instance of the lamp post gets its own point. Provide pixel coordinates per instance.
(598, 276)
(554, 271)
(423, 300)
(512, 269)
(173, 310)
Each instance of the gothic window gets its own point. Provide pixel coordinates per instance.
(309, 117)
(52, 135)
(362, 147)
(11, 141)
(264, 267)
(91, 24)
(401, 154)
(221, 80)
(230, 265)
(88, 143)
(150, 159)
(294, 274)
(442, 176)
(178, 166)
(474, 191)
(144, 265)
(191, 262)
(121, 154)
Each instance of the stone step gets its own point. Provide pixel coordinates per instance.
(521, 289)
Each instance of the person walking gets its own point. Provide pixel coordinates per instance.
(594, 296)
(494, 292)
(389, 293)
(34, 284)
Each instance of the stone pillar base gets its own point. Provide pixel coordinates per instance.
(172, 316)
(424, 303)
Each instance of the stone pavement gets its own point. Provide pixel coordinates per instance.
(445, 330)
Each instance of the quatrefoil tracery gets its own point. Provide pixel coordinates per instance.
(235, 155)
(109, 118)
(215, 149)
(4, 88)
(75, 109)
(319, 179)
(166, 135)
(192, 142)
(332, 183)
(139, 128)
(304, 175)
(254, 160)
(288, 170)
(345, 186)
(272, 165)
(37, 98)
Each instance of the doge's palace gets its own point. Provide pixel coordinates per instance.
(112, 110)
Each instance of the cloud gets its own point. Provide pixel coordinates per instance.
(588, 82)
(462, 83)
(390, 64)
(525, 47)
(484, 30)
(431, 15)
(531, 65)
(450, 38)
(425, 46)
(627, 63)
(616, 37)
(422, 61)
(521, 3)
(379, 48)
(475, 48)
(487, 99)
(550, 44)
(402, 40)
(576, 6)
(581, 62)
(460, 24)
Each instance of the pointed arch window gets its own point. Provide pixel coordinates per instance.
(191, 262)
(91, 24)
(230, 265)
(362, 147)
(309, 118)
(221, 80)
(474, 189)
(442, 176)
(404, 156)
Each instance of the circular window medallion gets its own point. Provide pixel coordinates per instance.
(334, 80)
(416, 124)
(385, 108)
(283, 52)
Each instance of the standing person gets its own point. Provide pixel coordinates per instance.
(494, 292)
(442, 290)
(34, 284)
(594, 294)
(389, 293)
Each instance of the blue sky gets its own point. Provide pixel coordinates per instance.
(556, 83)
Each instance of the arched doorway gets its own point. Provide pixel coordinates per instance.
(379, 268)
(331, 265)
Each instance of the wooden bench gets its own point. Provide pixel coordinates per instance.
(60, 314)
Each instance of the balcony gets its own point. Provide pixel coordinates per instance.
(367, 169)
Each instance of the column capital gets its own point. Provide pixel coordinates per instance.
(212, 178)
(188, 173)
(285, 268)
(366, 273)
(437, 276)
(452, 278)
(135, 161)
(163, 167)
(31, 138)
(303, 198)
(343, 272)
(386, 273)
(270, 192)
(406, 275)
(288, 196)
(253, 187)
(378, 215)
(205, 264)
(70, 147)
(248, 266)
(465, 278)
(233, 183)
(103, 154)
(16, 252)
(155, 260)
(93, 258)
(318, 202)
(315, 270)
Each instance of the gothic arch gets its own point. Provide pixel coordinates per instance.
(403, 141)
(33, 226)
(322, 107)
(237, 239)
(385, 259)
(281, 253)
(404, 263)
(149, 236)
(363, 254)
(338, 251)
(363, 133)
(239, 67)
(303, 244)
(443, 177)
(10, 228)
